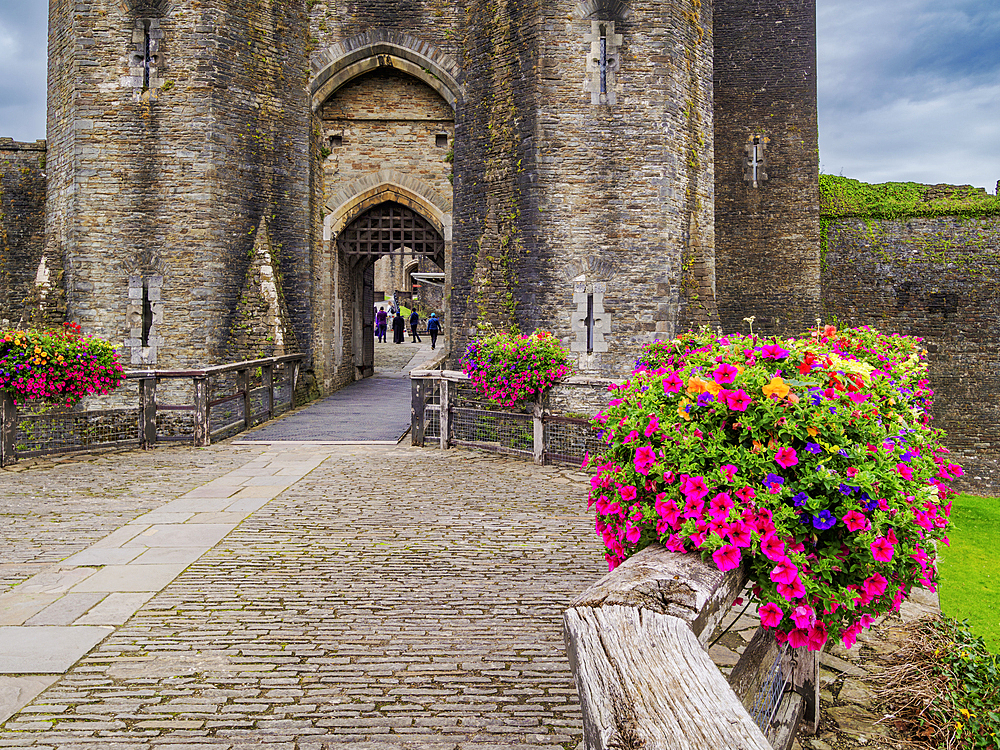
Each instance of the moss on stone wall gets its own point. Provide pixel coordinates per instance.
(842, 197)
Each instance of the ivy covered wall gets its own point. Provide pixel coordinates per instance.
(923, 260)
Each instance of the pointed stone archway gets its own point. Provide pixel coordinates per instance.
(384, 229)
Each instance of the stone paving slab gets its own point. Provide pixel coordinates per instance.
(46, 650)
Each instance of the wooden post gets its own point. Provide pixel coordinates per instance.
(243, 387)
(267, 376)
(147, 413)
(202, 430)
(8, 430)
(417, 403)
(445, 413)
(539, 442)
(805, 678)
(636, 644)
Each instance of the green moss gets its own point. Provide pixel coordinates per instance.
(842, 197)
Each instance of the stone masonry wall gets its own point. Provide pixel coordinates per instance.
(937, 278)
(569, 196)
(162, 182)
(22, 239)
(767, 237)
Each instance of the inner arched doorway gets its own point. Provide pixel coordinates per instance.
(388, 229)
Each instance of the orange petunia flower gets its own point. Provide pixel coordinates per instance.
(713, 387)
(696, 386)
(813, 432)
(777, 388)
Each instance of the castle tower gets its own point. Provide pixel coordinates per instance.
(766, 164)
(174, 128)
(584, 166)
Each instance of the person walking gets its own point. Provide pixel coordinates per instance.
(381, 323)
(433, 328)
(414, 323)
(398, 329)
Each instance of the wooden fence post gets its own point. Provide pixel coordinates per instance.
(417, 402)
(202, 429)
(243, 386)
(8, 430)
(805, 678)
(445, 412)
(267, 378)
(539, 441)
(147, 412)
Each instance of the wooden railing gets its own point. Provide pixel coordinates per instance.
(637, 642)
(437, 417)
(250, 397)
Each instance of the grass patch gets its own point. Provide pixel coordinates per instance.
(970, 567)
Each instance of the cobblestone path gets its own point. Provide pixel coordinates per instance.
(53, 509)
(392, 598)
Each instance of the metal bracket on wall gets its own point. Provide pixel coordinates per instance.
(755, 162)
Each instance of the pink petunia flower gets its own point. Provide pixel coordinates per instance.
(721, 505)
(786, 457)
(784, 572)
(628, 493)
(855, 521)
(746, 494)
(793, 590)
(645, 457)
(798, 638)
(882, 550)
(772, 548)
(727, 558)
(803, 616)
(724, 374)
(672, 383)
(738, 400)
(740, 534)
(770, 615)
(728, 471)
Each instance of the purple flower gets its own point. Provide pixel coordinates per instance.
(705, 399)
(906, 457)
(773, 479)
(800, 499)
(846, 489)
(814, 448)
(824, 520)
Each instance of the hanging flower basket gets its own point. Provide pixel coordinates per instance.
(509, 368)
(60, 365)
(810, 459)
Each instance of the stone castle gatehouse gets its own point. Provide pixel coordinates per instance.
(233, 179)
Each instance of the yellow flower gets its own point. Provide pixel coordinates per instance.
(965, 712)
(682, 410)
(777, 388)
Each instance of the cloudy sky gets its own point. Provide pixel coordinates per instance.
(908, 89)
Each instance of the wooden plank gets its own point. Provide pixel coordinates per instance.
(417, 402)
(786, 722)
(754, 665)
(147, 412)
(8, 429)
(202, 437)
(445, 422)
(539, 433)
(670, 583)
(646, 682)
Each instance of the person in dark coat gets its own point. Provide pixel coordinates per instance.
(414, 323)
(398, 328)
(433, 328)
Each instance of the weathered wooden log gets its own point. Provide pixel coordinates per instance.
(635, 643)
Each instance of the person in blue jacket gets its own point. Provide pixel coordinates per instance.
(433, 328)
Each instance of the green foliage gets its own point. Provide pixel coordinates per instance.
(970, 566)
(842, 197)
(972, 698)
